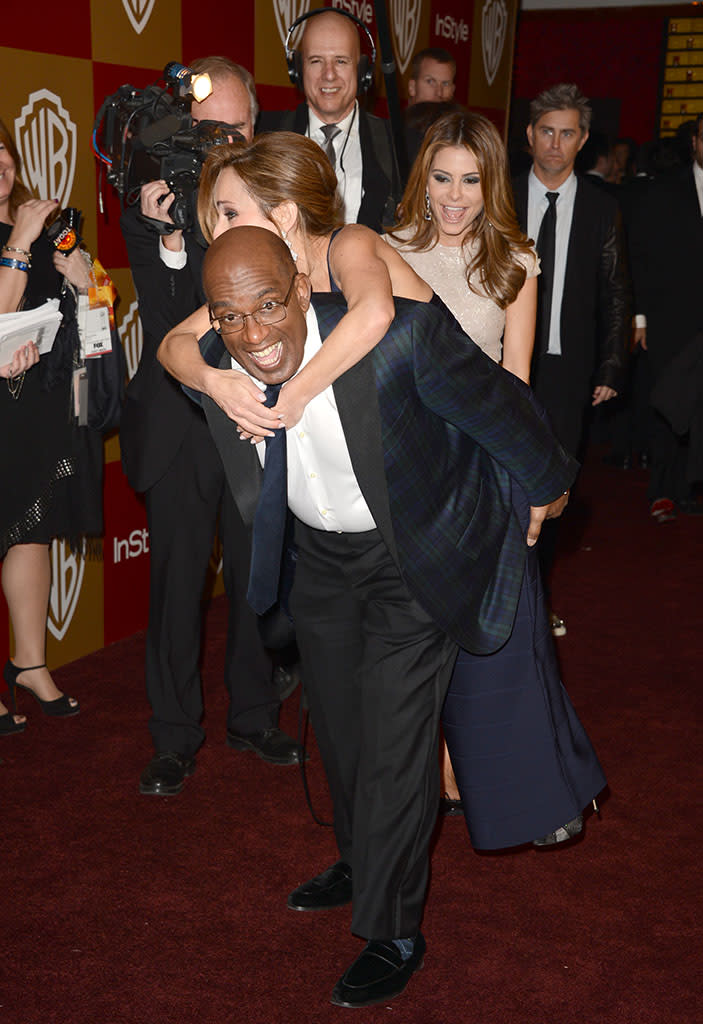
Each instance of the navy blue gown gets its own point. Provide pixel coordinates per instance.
(522, 760)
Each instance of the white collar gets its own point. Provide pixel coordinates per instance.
(316, 125)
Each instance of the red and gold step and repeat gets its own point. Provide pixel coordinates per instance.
(59, 66)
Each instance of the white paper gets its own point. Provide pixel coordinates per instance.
(37, 325)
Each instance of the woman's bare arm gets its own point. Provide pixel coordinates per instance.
(369, 273)
(519, 336)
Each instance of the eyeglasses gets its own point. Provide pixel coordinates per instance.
(264, 316)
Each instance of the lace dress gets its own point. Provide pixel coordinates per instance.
(444, 269)
(51, 472)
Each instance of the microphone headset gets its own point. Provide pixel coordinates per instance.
(366, 66)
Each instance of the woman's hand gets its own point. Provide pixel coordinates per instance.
(289, 406)
(242, 401)
(23, 359)
(29, 221)
(75, 269)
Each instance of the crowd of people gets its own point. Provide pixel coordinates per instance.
(379, 390)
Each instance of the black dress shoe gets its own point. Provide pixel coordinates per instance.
(271, 745)
(378, 974)
(286, 680)
(165, 774)
(563, 834)
(333, 888)
(449, 807)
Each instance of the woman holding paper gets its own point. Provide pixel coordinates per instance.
(38, 464)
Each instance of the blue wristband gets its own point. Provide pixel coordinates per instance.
(14, 264)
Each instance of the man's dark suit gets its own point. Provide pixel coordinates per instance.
(380, 179)
(167, 453)
(666, 247)
(378, 615)
(594, 312)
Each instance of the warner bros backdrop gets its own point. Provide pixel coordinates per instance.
(57, 71)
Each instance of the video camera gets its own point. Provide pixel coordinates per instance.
(141, 135)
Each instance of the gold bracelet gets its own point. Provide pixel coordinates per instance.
(14, 385)
(13, 248)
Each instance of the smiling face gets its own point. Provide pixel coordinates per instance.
(454, 188)
(7, 181)
(243, 271)
(555, 140)
(330, 53)
(235, 206)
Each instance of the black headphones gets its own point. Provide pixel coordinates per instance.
(366, 66)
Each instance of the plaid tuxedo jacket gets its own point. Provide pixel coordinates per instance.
(435, 431)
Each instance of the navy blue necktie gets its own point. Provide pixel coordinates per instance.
(546, 249)
(269, 520)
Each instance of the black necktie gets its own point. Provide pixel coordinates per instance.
(546, 248)
(269, 520)
(330, 131)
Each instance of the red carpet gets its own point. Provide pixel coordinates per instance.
(122, 908)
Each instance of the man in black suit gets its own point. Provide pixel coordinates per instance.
(582, 320)
(167, 453)
(331, 71)
(666, 248)
(399, 481)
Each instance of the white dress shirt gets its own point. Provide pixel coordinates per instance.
(347, 148)
(175, 260)
(322, 488)
(537, 204)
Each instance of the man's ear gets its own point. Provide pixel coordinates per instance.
(530, 135)
(303, 289)
(412, 88)
(285, 215)
(583, 141)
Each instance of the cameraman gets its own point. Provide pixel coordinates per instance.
(168, 454)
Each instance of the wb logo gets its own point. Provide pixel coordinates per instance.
(286, 12)
(132, 339)
(405, 15)
(138, 12)
(67, 571)
(46, 140)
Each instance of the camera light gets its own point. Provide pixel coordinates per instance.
(186, 81)
(201, 87)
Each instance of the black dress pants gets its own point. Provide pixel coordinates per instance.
(182, 510)
(376, 669)
(565, 399)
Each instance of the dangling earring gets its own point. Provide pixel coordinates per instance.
(428, 208)
(294, 255)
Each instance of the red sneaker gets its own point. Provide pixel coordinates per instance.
(662, 510)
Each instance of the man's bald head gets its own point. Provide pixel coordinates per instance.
(234, 247)
(250, 270)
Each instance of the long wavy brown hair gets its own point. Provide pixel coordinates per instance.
(275, 168)
(495, 265)
(20, 193)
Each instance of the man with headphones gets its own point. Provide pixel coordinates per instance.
(331, 71)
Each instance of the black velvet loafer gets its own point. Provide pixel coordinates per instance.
(165, 774)
(563, 834)
(271, 745)
(333, 888)
(378, 974)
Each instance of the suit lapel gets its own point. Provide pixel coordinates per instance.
(240, 461)
(520, 191)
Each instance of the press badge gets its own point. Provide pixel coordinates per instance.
(94, 325)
